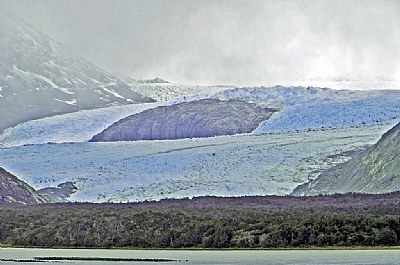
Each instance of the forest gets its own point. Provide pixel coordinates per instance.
(208, 222)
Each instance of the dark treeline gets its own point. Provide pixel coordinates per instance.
(209, 222)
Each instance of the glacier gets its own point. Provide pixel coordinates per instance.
(314, 129)
(310, 108)
(300, 108)
(71, 127)
(150, 170)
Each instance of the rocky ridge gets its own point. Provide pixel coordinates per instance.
(13, 190)
(203, 118)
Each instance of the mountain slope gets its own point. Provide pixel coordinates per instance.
(203, 118)
(39, 77)
(377, 170)
(14, 190)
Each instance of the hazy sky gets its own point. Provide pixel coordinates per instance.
(226, 42)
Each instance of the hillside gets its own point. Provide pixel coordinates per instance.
(13, 190)
(35, 69)
(203, 118)
(377, 170)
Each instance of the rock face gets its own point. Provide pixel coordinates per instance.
(204, 118)
(40, 77)
(376, 170)
(60, 193)
(13, 190)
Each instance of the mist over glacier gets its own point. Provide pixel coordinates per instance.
(243, 43)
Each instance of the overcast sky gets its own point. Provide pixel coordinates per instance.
(226, 42)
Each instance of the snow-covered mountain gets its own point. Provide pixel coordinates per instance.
(40, 77)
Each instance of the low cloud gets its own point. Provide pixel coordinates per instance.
(227, 42)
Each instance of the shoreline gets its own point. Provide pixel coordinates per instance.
(217, 249)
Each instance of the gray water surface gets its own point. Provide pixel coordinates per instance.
(208, 257)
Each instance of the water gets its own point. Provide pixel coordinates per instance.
(208, 257)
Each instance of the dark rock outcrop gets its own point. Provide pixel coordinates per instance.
(376, 170)
(13, 190)
(156, 80)
(60, 193)
(204, 118)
